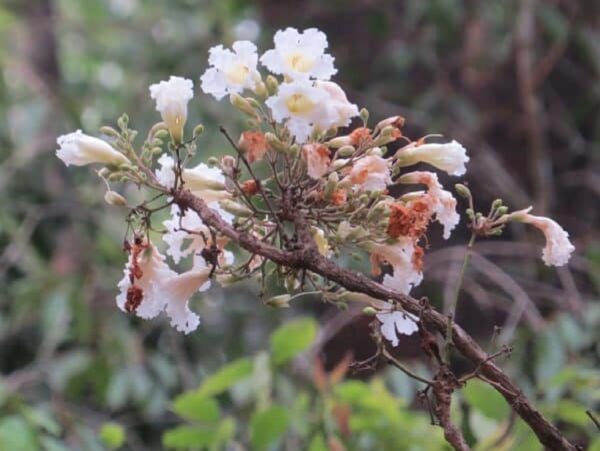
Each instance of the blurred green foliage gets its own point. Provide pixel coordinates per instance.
(77, 374)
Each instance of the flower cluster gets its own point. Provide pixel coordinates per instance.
(343, 189)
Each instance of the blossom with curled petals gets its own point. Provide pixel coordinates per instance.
(231, 71)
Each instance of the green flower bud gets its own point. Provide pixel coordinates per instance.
(280, 301)
(346, 151)
(242, 104)
(198, 130)
(109, 131)
(114, 198)
(463, 190)
(369, 311)
(235, 208)
(272, 84)
(364, 115)
(261, 90)
(497, 203)
(275, 142)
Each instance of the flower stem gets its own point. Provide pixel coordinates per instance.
(454, 302)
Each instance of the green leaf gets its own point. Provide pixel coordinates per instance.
(318, 444)
(42, 419)
(112, 435)
(267, 427)
(186, 437)
(572, 412)
(486, 400)
(194, 406)
(226, 377)
(16, 434)
(292, 338)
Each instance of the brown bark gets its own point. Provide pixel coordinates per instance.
(307, 257)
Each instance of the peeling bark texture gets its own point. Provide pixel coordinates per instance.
(443, 386)
(306, 256)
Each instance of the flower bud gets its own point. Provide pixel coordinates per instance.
(280, 301)
(235, 208)
(364, 115)
(114, 198)
(497, 203)
(198, 130)
(275, 142)
(369, 311)
(272, 84)
(242, 104)
(346, 151)
(261, 90)
(502, 210)
(109, 131)
(338, 142)
(463, 190)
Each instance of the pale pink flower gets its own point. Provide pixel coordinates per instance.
(317, 159)
(370, 173)
(558, 248)
(344, 110)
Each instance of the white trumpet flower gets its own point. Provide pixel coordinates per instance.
(172, 97)
(449, 157)
(231, 71)
(301, 106)
(80, 149)
(300, 55)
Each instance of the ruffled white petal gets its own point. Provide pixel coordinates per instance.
(396, 322)
(231, 71)
(300, 55)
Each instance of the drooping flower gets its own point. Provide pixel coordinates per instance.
(149, 272)
(254, 145)
(558, 248)
(80, 149)
(441, 202)
(397, 322)
(450, 157)
(204, 181)
(405, 258)
(370, 173)
(171, 98)
(178, 289)
(344, 111)
(317, 159)
(301, 106)
(231, 71)
(300, 55)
